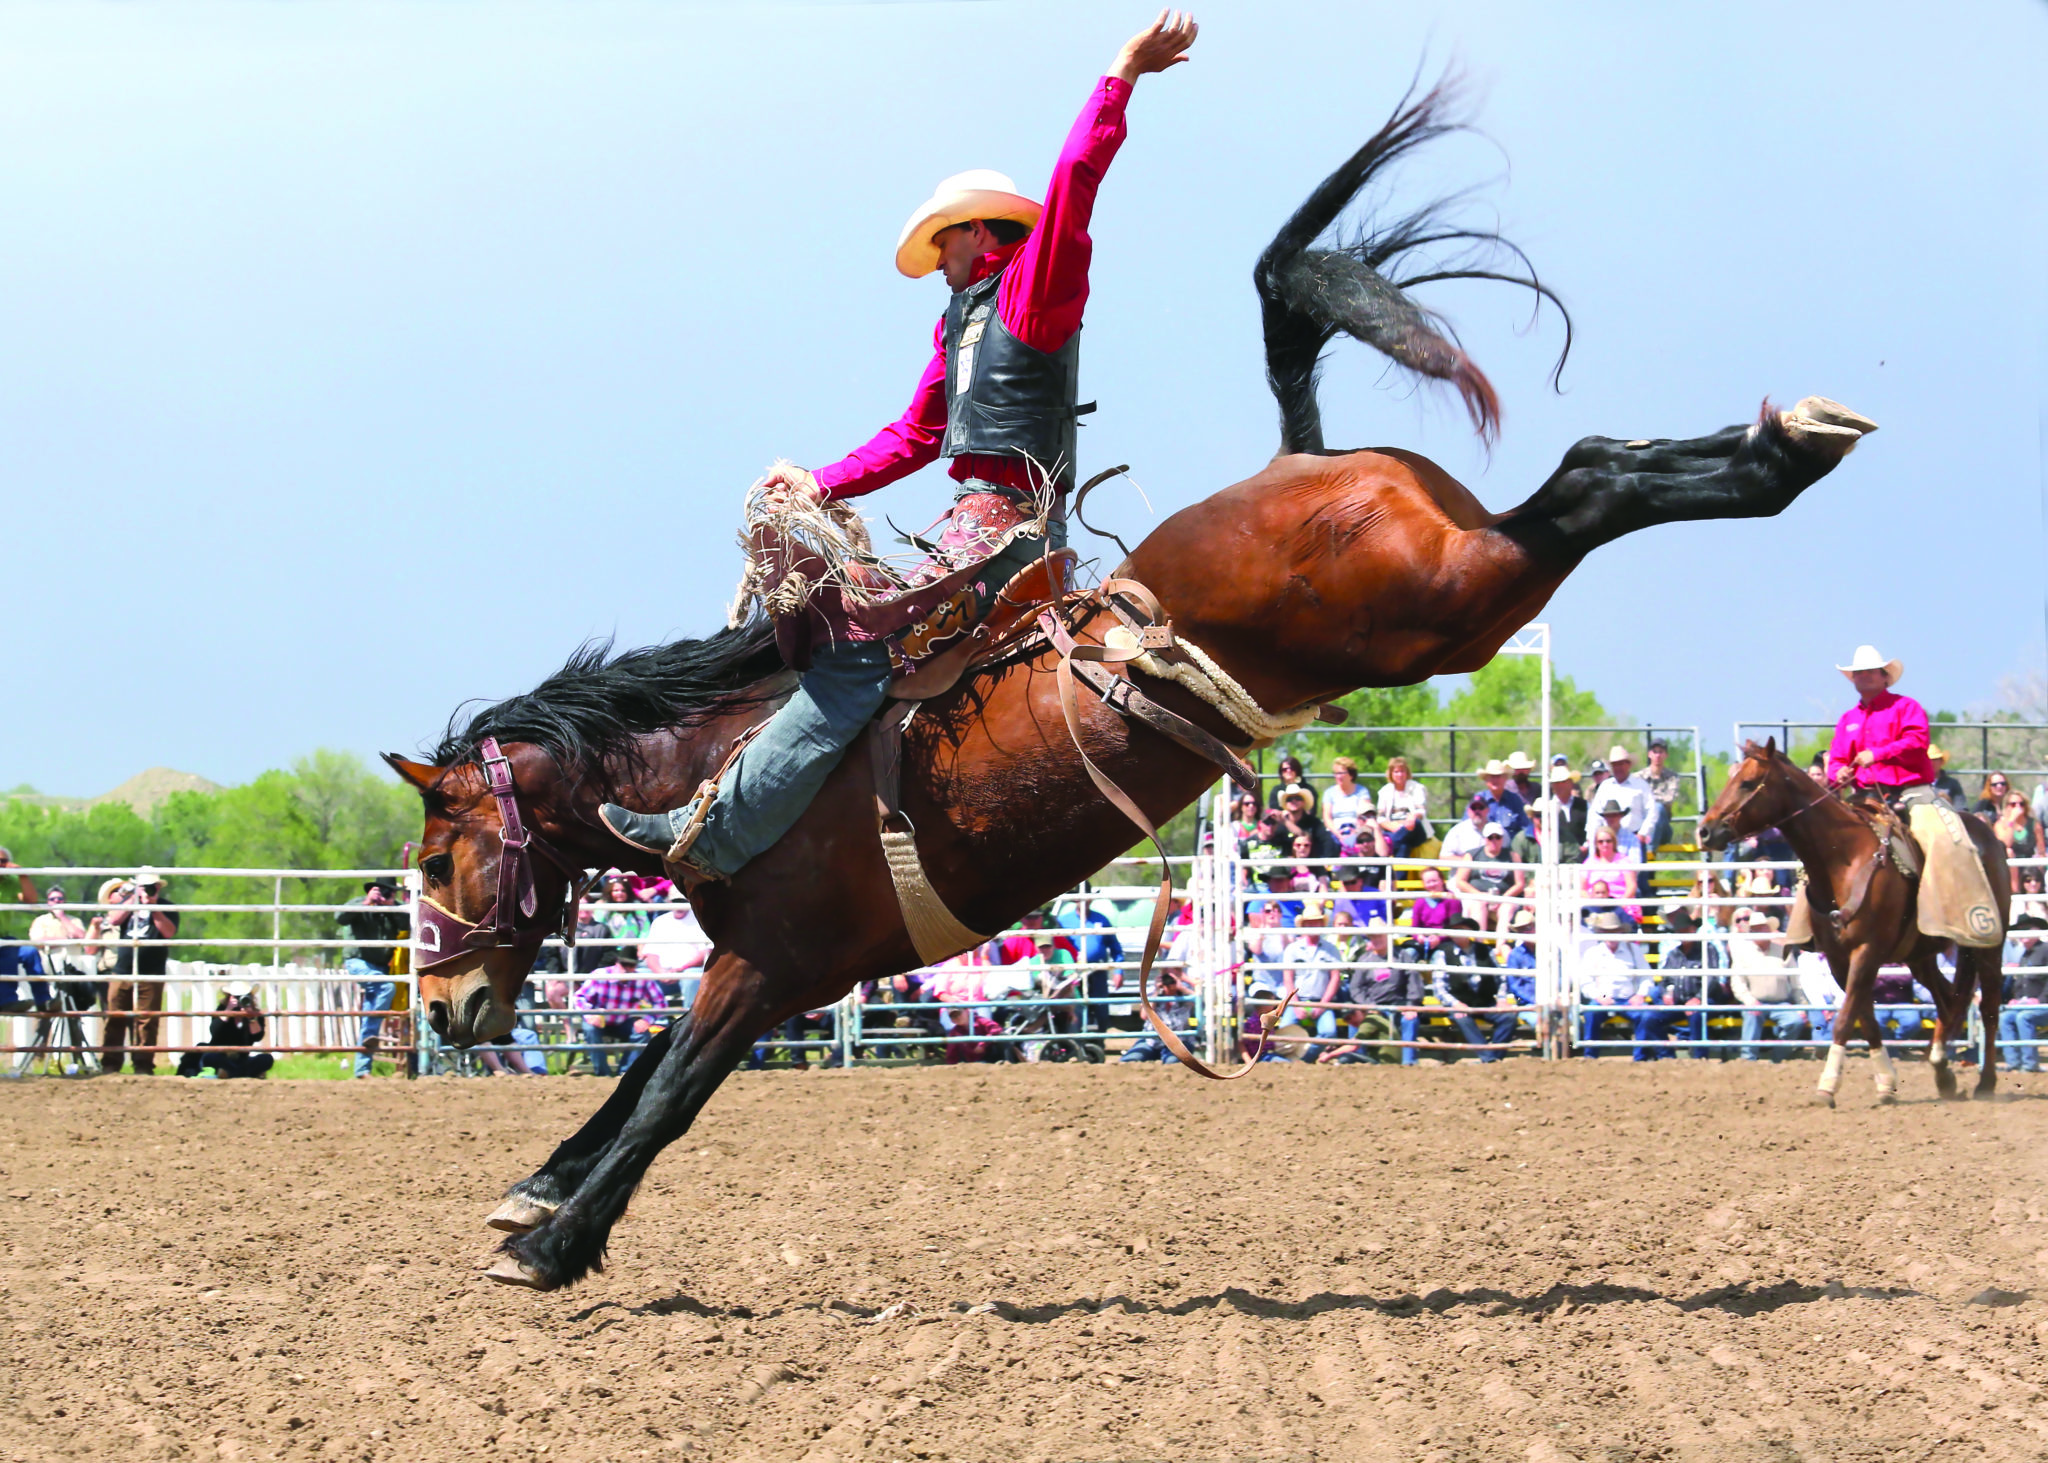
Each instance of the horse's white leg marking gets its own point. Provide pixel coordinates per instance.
(1887, 1074)
(1937, 1054)
(1831, 1074)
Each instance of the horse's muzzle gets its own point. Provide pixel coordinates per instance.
(466, 1011)
(1711, 835)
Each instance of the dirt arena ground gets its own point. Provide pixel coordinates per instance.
(1589, 1261)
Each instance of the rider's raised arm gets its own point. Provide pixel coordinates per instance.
(1045, 288)
(900, 448)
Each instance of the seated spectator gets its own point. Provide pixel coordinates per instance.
(676, 948)
(1100, 957)
(1264, 939)
(1365, 903)
(1991, 796)
(1485, 886)
(1174, 1000)
(1687, 972)
(1903, 1008)
(1345, 805)
(1767, 845)
(1403, 805)
(1518, 958)
(1505, 805)
(1465, 984)
(1297, 822)
(1271, 839)
(1280, 885)
(1434, 908)
(2031, 904)
(1307, 878)
(1376, 989)
(1761, 980)
(1244, 822)
(1945, 784)
(236, 1027)
(1023, 946)
(1569, 809)
(1818, 989)
(625, 1009)
(2025, 1014)
(1522, 778)
(1611, 972)
(1468, 840)
(2015, 828)
(1310, 971)
(1526, 847)
(594, 948)
(1610, 809)
(1291, 780)
(1614, 872)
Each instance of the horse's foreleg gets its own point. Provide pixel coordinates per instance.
(1857, 974)
(530, 1201)
(1604, 488)
(732, 1010)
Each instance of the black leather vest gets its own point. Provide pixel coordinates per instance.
(1004, 398)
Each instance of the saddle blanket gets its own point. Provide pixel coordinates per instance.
(1955, 900)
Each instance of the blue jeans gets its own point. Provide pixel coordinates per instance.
(378, 989)
(1782, 1024)
(1410, 1023)
(782, 769)
(1653, 1025)
(1911, 1022)
(1500, 1028)
(2022, 1023)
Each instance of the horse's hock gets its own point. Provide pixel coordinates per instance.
(977, 1263)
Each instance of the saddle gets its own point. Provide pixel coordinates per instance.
(1932, 848)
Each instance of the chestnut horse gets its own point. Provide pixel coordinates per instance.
(1863, 912)
(1323, 573)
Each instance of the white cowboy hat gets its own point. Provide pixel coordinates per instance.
(1866, 658)
(1519, 761)
(976, 193)
(1562, 773)
(1495, 768)
(1619, 753)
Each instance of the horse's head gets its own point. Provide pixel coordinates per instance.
(488, 903)
(1763, 791)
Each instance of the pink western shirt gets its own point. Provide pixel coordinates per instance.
(1044, 290)
(1893, 728)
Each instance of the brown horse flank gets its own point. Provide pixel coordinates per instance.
(1863, 913)
(1318, 575)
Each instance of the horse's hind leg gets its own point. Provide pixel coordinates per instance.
(732, 1010)
(1946, 1011)
(1604, 488)
(530, 1201)
(1986, 969)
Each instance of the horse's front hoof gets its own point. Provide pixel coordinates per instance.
(518, 1214)
(1822, 1099)
(1887, 1099)
(511, 1270)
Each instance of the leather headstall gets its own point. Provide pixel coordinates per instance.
(514, 917)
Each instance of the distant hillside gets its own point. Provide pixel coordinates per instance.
(141, 792)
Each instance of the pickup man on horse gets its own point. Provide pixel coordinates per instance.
(1883, 739)
(998, 397)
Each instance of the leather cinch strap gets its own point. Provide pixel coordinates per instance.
(1076, 658)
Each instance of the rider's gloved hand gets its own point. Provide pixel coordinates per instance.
(786, 480)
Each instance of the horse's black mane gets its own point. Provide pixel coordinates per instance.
(591, 711)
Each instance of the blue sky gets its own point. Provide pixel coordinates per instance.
(356, 359)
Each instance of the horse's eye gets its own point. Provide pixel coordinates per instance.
(439, 869)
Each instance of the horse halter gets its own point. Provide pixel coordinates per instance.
(513, 918)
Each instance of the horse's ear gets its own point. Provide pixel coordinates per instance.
(420, 774)
(1771, 746)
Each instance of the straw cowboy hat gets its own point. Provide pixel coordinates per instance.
(1520, 761)
(1866, 658)
(1562, 773)
(1619, 753)
(962, 198)
(1494, 768)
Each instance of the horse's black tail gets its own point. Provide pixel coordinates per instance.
(1309, 294)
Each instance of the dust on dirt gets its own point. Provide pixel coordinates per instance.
(1585, 1260)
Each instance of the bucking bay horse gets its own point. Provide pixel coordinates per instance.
(1864, 914)
(1324, 572)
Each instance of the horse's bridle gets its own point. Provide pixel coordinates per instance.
(1815, 801)
(514, 916)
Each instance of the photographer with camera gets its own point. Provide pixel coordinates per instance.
(237, 1026)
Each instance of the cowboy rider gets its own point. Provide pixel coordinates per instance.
(1882, 740)
(998, 398)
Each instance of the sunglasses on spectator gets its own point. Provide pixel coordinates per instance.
(2000, 783)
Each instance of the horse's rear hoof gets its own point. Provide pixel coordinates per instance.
(519, 1214)
(511, 1270)
(1887, 1099)
(1822, 1099)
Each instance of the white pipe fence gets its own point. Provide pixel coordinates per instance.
(1376, 969)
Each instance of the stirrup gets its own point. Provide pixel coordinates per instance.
(685, 840)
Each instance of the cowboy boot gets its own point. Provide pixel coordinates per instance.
(669, 835)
